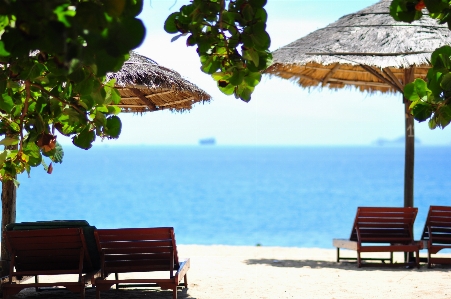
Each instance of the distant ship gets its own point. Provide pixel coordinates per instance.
(207, 141)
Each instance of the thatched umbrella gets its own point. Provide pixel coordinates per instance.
(146, 86)
(370, 51)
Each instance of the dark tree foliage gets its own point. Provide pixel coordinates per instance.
(54, 56)
(231, 41)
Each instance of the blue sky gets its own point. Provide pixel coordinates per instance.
(280, 112)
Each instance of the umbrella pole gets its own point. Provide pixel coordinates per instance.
(409, 152)
(410, 145)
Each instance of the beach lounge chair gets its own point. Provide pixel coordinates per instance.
(380, 229)
(437, 233)
(47, 252)
(140, 250)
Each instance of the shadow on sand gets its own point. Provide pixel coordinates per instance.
(315, 264)
(111, 294)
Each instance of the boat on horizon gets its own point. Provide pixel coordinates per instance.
(207, 141)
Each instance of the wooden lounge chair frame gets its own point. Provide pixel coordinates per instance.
(437, 233)
(381, 229)
(140, 250)
(47, 252)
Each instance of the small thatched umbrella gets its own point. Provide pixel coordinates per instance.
(368, 50)
(146, 86)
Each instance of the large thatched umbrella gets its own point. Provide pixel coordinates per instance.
(144, 86)
(370, 51)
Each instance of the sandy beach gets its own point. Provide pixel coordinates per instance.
(279, 272)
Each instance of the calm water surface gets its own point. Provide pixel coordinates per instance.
(283, 196)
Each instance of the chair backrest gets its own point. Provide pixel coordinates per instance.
(46, 251)
(384, 225)
(88, 232)
(439, 223)
(137, 249)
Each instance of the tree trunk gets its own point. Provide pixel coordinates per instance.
(8, 216)
(410, 146)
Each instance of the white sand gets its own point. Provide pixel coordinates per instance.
(277, 272)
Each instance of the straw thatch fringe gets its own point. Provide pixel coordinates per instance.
(146, 86)
(367, 49)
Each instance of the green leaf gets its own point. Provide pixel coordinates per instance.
(252, 55)
(436, 6)
(446, 81)
(112, 109)
(432, 124)
(260, 37)
(421, 89)
(100, 119)
(441, 55)
(9, 141)
(402, 10)
(209, 64)
(113, 126)
(170, 25)
(245, 93)
(6, 103)
(253, 78)
(77, 75)
(247, 12)
(115, 7)
(56, 154)
(34, 154)
(444, 116)
(258, 3)
(3, 156)
(237, 77)
(85, 87)
(225, 87)
(421, 111)
(3, 51)
(410, 93)
(85, 139)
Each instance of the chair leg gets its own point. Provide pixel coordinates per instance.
(338, 254)
(418, 258)
(83, 293)
(116, 275)
(36, 280)
(174, 293)
(429, 260)
(185, 279)
(359, 260)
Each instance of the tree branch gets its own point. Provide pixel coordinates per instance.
(56, 98)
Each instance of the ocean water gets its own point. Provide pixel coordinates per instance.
(273, 196)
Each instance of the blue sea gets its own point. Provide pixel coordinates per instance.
(273, 196)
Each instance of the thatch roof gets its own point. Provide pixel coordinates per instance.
(146, 86)
(367, 49)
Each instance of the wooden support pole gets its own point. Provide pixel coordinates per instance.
(410, 145)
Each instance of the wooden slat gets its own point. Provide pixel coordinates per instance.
(43, 232)
(138, 257)
(108, 251)
(134, 237)
(145, 231)
(118, 243)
